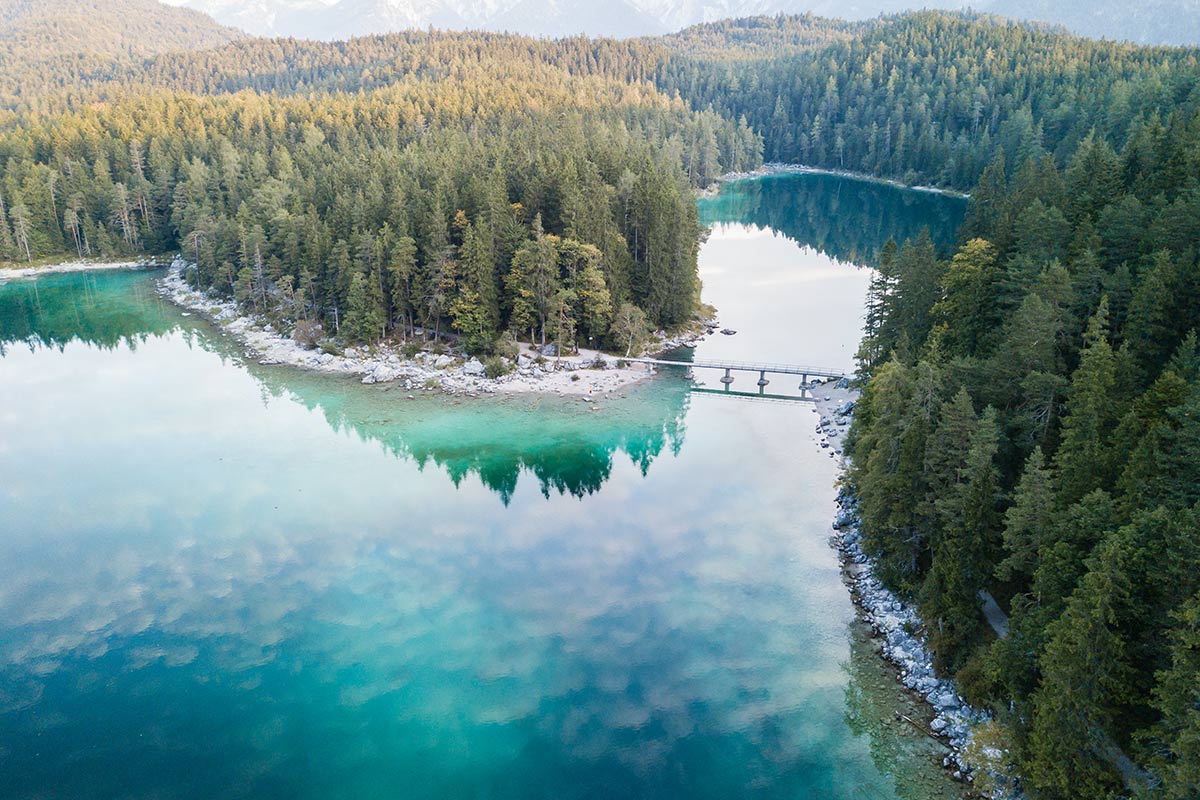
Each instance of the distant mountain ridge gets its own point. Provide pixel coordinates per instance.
(1149, 22)
(52, 44)
(43, 28)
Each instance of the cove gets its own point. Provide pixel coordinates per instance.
(223, 579)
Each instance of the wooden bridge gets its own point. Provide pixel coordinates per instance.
(729, 367)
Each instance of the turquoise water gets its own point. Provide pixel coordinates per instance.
(221, 579)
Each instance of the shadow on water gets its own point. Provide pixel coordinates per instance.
(849, 220)
(569, 451)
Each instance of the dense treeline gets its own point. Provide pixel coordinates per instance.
(768, 38)
(1031, 428)
(54, 45)
(476, 205)
(291, 66)
(930, 97)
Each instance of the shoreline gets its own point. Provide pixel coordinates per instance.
(81, 265)
(588, 375)
(776, 168)
(897, 627)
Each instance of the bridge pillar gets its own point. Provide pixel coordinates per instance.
(727, 379)
(762, 381)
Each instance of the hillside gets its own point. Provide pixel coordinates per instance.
(108, 27)
(1173, 22)
(52, 45)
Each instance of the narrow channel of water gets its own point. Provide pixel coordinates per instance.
(221, 579)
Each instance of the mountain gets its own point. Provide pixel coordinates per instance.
(1146, 22)
(41, 29)
(1173, 22)
(51, 45)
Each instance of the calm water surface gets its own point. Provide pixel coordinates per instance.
(225, 580)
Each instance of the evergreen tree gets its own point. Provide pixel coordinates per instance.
(964, 311)
(364, 312)
(1086, 675)
(1027, 520)
(964, 551)
(402, 268)
(1083, 460)
(1177, 698)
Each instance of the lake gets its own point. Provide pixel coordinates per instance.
(226, 580)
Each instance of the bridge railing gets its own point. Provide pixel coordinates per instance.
(749, 366)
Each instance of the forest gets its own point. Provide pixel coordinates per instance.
(1030, 423)
(1031, 428)
(463, 202)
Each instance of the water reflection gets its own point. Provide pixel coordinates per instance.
(104, 309)
(208, 590)
(567, 446)
(569, 450)
(847, 220)
(220, 579)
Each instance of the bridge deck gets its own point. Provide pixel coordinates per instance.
(746, 366)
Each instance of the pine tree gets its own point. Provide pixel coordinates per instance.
(965, 310)
(364, 314)
(595, 300)
(1085, 675)
(562, 320)
(1027, 521)
(964, 552)
(470, 317)
(1083, 460)
(1177, 698)
(1152, 325)
(522, 315)
(907, 312)
(402, 268)
(537, 278)
(889, 459)
(476, 266)
(883, 283)
(987, 216)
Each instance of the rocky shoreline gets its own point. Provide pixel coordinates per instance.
(587, 375)
(897, 625)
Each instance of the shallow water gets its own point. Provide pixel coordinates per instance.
(220, 579)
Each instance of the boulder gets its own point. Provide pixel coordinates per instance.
(442, 361)
(945, 700)
(474, 367)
